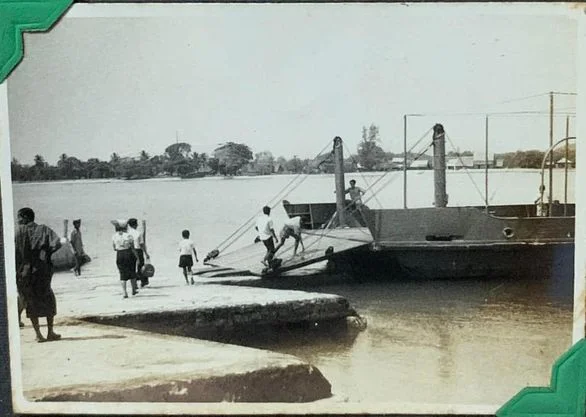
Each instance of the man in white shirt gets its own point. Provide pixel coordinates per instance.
(141, 251)
(266, 233)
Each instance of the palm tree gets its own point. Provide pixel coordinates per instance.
(39, 167)
(39, 161)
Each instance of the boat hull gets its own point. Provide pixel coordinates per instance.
(464, 226)
(436, 261)
(458, 242)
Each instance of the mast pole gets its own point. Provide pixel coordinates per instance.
(404, 161)
(339, 179)
(486, 163)
(566, 167)
(550, 200)
(439, 165)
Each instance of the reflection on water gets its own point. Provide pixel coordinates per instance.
(445, 341)
(468, 341)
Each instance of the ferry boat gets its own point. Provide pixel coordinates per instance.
(452, 242)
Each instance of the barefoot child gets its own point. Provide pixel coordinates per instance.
(186, 246)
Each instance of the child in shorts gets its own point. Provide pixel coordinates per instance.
(186, 247)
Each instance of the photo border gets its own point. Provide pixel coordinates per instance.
(568, 371)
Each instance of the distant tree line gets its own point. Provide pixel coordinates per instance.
(178, 159)
(233, 158)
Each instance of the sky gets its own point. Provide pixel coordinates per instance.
(289, 78)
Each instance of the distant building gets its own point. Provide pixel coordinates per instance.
(397, 162)
(420, 164)
(480, 160)
(249, 169)
(384, 166)
(561, 163)
(460, 162)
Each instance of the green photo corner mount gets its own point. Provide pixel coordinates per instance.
(21, 16)
(566, 397)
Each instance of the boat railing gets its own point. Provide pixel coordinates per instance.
(548, 210)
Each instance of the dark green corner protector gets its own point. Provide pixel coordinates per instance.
(17, 16)
(565, 398)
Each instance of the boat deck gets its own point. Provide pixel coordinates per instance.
(247, 260)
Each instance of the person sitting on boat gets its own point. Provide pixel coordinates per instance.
(356, 194)
(291, 228)
(266, 233)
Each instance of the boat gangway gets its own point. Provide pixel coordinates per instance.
(320, 245)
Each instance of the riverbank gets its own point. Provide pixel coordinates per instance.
(151, 347)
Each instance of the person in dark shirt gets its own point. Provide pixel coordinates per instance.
(34, 245)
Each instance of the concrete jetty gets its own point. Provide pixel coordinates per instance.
(135, 349)
(103, 363)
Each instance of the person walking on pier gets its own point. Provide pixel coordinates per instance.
(186, 248)
(266, 233)
(140, 249)
(291, 228)
(126, 258)
(34, 245)
(77, 247)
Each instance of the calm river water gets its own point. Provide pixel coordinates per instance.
(466, 341)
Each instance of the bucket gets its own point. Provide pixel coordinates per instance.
(148, 270)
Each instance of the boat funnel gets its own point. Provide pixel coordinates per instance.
(439, 166)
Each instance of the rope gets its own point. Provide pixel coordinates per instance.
(245, 224)
(272, 205)
(362, 175)
(523, 98)
(348, 209)
(239, 232)
(419, 155)
(409, 151)
(466, 169)
(374, 195)
(388, 172)
(504, 114)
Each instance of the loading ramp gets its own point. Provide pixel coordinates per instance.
(320, 245)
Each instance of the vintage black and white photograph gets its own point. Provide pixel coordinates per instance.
(291, 207)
